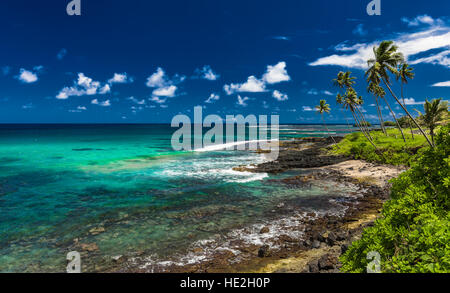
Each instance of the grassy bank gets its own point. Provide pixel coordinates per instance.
(391, 148)
(413, 232)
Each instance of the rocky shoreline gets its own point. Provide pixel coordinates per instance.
(321, 239)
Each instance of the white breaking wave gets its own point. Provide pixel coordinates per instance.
(219, 147)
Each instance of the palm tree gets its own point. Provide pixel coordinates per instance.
(323, 108)
(377, 94)
(433, 114)
(374, 79)
(386, 58)
(403, 73)
(350, 103)
(343, 80)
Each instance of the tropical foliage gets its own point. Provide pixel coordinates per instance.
(434, 113)
(413, 233)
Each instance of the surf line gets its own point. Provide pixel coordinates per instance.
(251, 133)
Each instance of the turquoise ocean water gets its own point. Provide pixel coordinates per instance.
(59, 184)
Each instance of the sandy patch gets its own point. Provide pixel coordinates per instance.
(367, 172)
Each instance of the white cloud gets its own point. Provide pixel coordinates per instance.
(136, 101)
(79, 109)
(213, 97)
(27, 76)
(164, 87)
(276, 73)
(106, 103)
(242, 101)
(421, 19)
(307, 109)
(437, 59)
(105, 89)
(157, 100)
(410, 44)
(279, 96)
(253, 85)
(168, 91)
(84, 85)
(442, 84)
(412, 101)
(120, 78)
(207, 73)
(157, 79)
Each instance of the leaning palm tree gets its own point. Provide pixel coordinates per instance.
(343, 80)
(374, 79)
(404, 73)
(434, 111)
(386, 59)
(323, 108)
(376, 93)
(350, 103)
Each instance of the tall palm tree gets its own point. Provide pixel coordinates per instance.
(323, 108)
(374, 79)
(351, 103)
(377, 94)
(434, 112)
(404, 73)
(343, 80)
(386, 58)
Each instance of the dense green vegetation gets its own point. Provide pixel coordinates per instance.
(413, 232)
(391, 148)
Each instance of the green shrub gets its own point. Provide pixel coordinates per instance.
(391, 149)
(413, 232)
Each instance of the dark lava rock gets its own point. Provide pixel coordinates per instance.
(317, 236)
(264, 230)
(327, 262)
(331, 239)
(340, 236)
(313, 266)
(344, 248)
(263, 251)
(307, 243)
(315, 244)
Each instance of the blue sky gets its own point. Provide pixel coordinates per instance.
(146, 61)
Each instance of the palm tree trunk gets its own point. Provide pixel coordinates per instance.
(365, 124)
(409, 120)
(395, 118)
(326, 127)
(362, 130)
(380, 116)
(410, 116)
(432, 135)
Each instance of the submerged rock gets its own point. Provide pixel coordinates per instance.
(263, 251)
(264, 230)
(89, 247)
